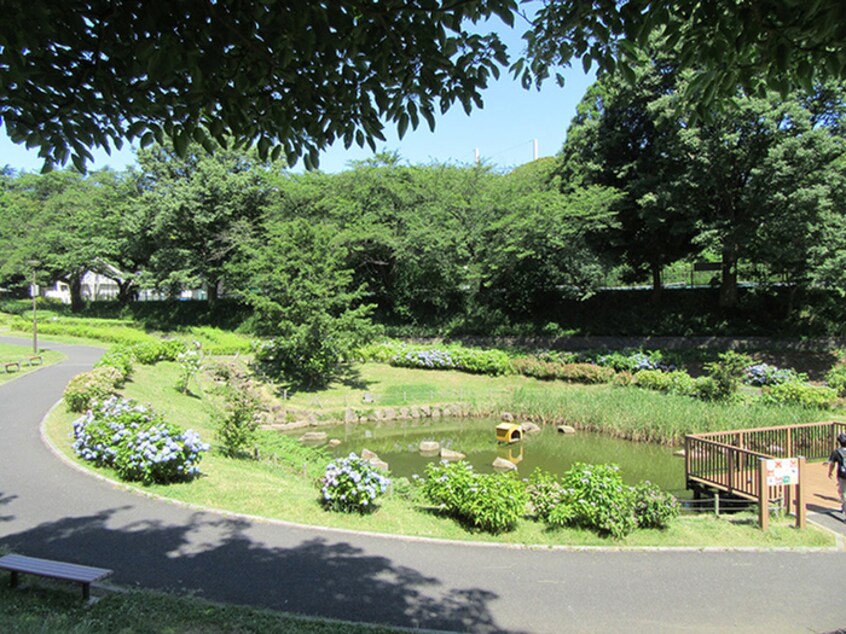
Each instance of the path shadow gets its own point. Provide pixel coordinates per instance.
(217, 558)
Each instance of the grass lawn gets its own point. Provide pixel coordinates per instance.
(283, 492)
(11, 353)
(39, 606)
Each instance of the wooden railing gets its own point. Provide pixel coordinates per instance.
(730, 461)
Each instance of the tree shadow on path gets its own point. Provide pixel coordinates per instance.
(216, 558)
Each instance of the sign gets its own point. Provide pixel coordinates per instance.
(782, 471)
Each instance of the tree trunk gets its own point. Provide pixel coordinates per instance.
(75, 284)
(213, 291)
(728, 284)
(126, 291)
(657, 287)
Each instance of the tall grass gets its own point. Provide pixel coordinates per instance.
(647, 416)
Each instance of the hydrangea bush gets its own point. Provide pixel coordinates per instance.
(762, 374)
(352, 485)
(85, 388)
(473, 360)
(137, 442)
(633, 361)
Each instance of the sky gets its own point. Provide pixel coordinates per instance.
(504, 130)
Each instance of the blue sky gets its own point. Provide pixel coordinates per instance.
(503, 130)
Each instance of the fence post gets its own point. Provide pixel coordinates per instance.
(800, 494)
(763, 496)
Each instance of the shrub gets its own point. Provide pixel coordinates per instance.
(237, 426)
(762, 374)
(138, 443)
(653, 507)
(190, 362)
(471, 360)
(540, 369)
(626, 361)
(726, 373)
(152, 352)
(96, 385)
(595, 498)
(545, 493)
(675, 382)
(120, 359)
(490, 502)
(352, 485)
(809, 396)
(584, 373)
(836, 379)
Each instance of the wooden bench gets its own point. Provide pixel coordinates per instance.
(31, 360)
(84, 575)
(10, 365)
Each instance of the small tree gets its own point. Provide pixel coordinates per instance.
(304, 301)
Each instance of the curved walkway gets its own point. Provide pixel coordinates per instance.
(49, 509)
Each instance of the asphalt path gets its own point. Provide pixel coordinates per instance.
(50, 509)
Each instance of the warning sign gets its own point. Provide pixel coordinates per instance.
(782, 471)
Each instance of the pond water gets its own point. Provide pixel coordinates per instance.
(397, 444)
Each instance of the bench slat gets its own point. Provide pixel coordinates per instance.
(53, 569)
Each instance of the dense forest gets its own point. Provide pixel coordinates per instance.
(642, 188)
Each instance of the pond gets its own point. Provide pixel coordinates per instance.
(397, 443)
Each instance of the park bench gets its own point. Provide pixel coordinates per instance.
(31, 360)
(10, 366)
(84, 575)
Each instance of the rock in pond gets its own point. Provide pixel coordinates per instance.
(366, 454)
(566, 429)
(530, 428)
(314, 436)
(334, 442)
(450, 455)
(429, 447)
(501, 464)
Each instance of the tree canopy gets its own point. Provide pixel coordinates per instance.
(294, 77)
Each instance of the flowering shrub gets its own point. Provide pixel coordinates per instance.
(352, 484)
(595, 498)
(653, 507)
(810, 396)
(545, 493)
(138, 443)
(190, 362)
(762, 374)
(85, 388)
(490, 502)
(836, 379)
(632, 361)
(472, 360)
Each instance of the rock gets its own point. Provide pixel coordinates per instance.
(446, 411)
(415, 411)
(425, 411)
(380, 464)
(680, 452)
(368, 455)
(429, 447)
(334, 442)
(404, 413)
(566, 429)
(367, 398)
(501, 464)
(314, 436)
(436, 412)
(450, 455)
(389, 413)
(530, 428)
(507, 417)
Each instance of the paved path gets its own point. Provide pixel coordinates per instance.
(49, 509)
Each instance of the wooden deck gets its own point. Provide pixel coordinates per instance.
(821, 493)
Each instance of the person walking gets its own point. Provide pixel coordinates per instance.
(838, 459)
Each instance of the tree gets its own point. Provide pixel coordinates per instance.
(628, 137)
(766, 44)
(303, 299)
(198, 207)
(292, 77)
